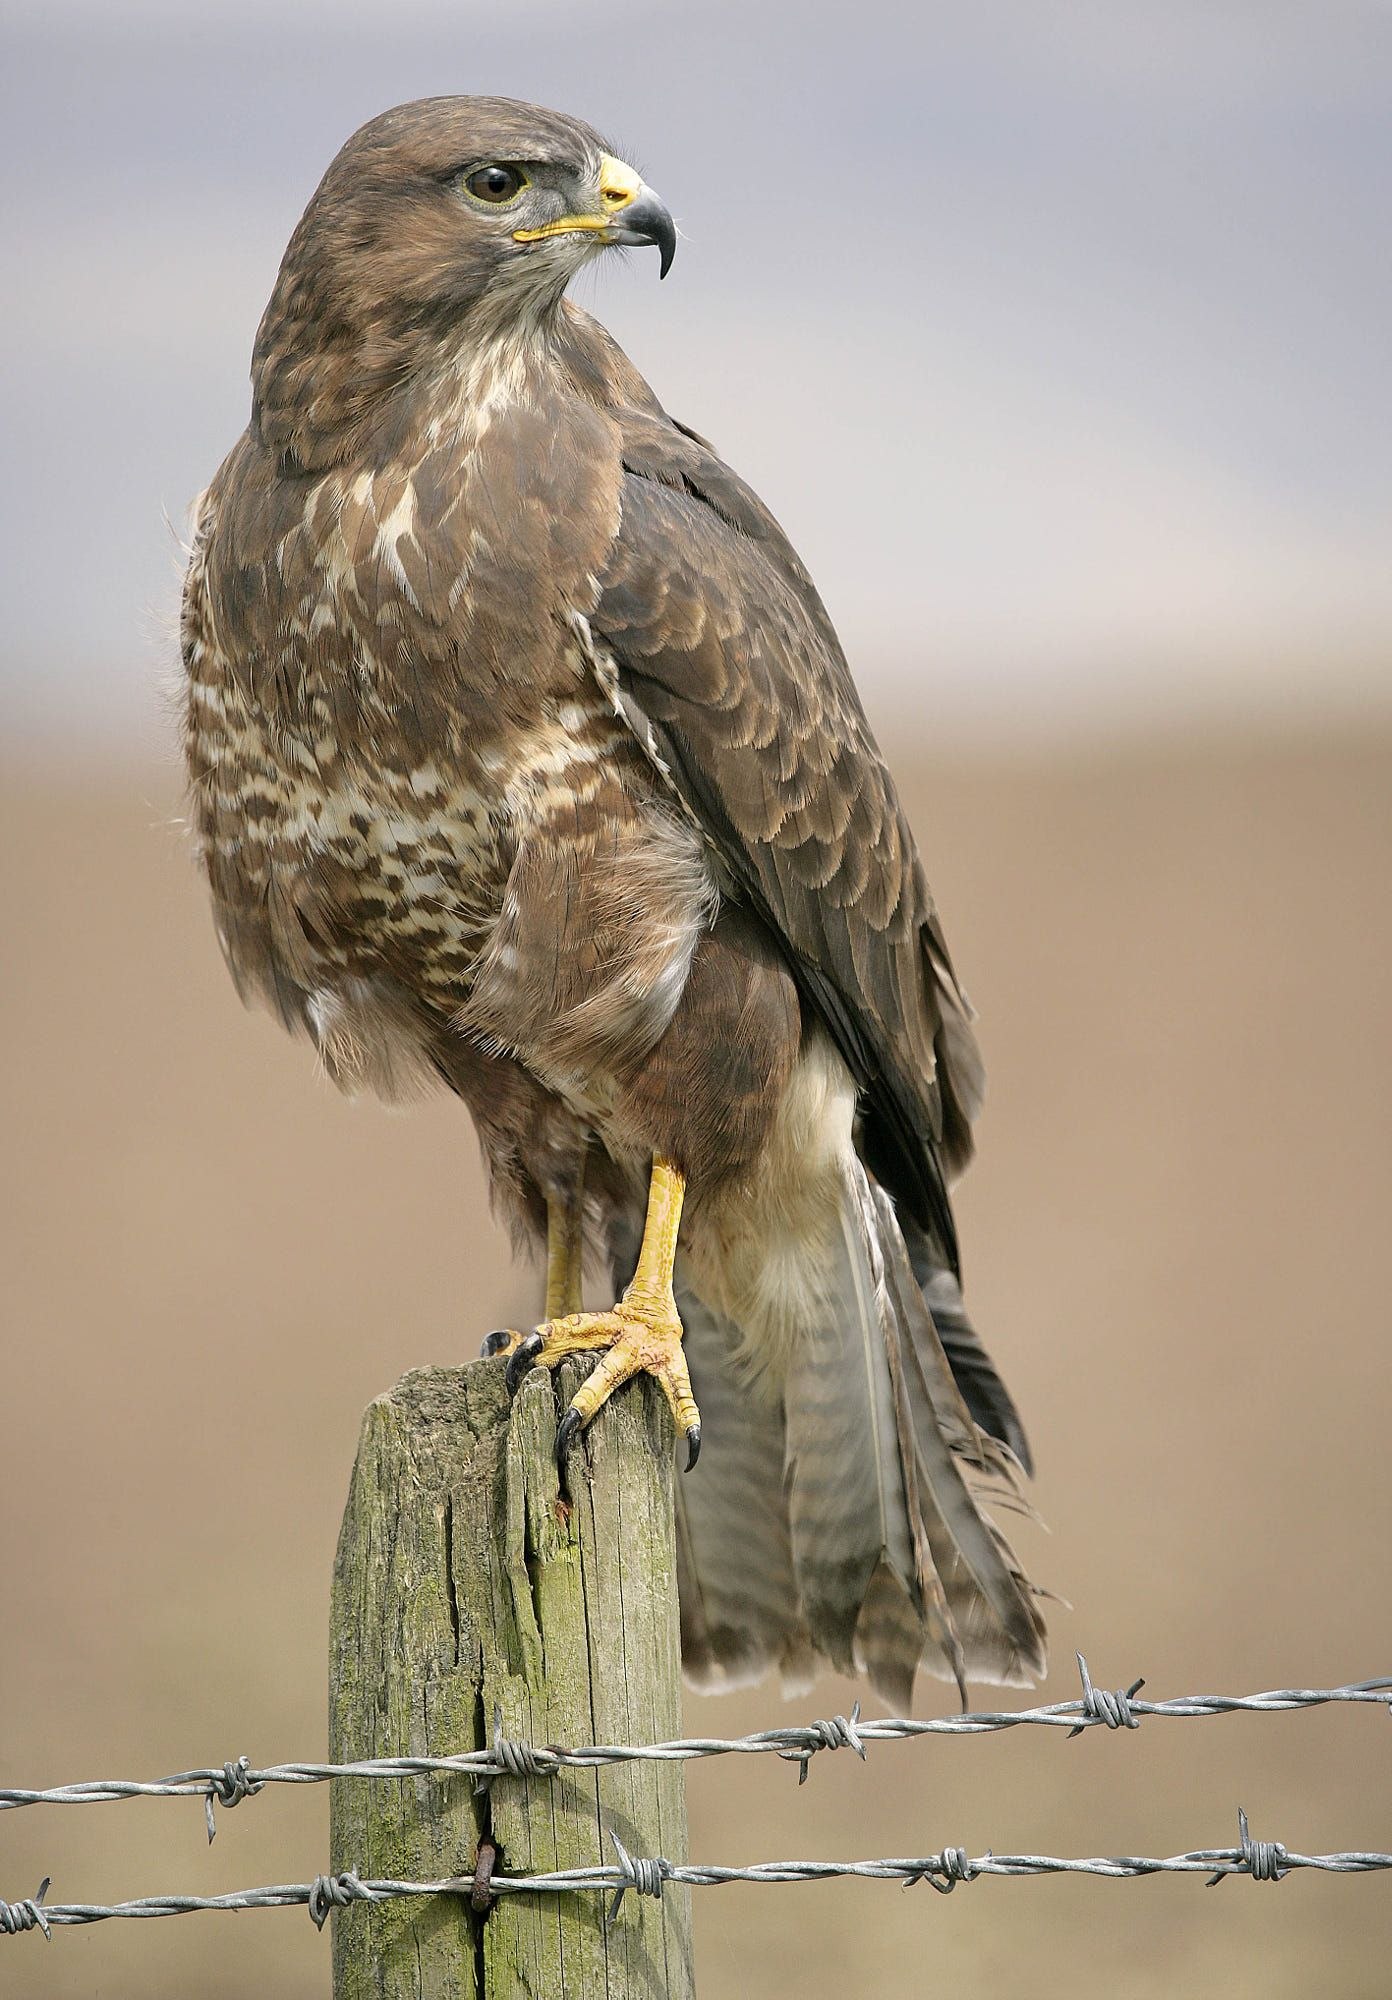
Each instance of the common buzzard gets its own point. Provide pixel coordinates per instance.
(526, 761)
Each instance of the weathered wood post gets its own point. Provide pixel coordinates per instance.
(462, 1581)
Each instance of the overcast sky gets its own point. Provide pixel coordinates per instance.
(1057, 336)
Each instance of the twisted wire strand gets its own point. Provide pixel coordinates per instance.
(1261, 1861)
(798, 1742)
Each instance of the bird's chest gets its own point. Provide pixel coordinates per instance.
(384, 851)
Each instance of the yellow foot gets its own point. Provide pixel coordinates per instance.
(640, 1339)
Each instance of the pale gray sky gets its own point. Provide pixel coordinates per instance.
(1056, 335)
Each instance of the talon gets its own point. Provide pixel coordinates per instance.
(641, 1335)
(497, 1342)
(520, 1361)
(565, 1432)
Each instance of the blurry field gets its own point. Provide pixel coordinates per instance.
(1177, 1241)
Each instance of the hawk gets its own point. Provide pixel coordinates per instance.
(525, 761)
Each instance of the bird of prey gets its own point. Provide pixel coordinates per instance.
(525, 761)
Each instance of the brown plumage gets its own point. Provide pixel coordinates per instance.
(525, 759)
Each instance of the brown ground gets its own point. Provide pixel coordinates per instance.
(1176, 1239)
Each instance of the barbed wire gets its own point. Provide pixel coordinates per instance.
(1261, 1860)
(797, 1743)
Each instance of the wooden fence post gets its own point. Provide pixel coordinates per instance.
(464, 1582)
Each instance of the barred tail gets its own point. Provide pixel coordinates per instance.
(845, 1515)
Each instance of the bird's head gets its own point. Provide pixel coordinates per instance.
(442, 218)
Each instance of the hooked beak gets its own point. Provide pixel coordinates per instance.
(630, 213)
(647, 220)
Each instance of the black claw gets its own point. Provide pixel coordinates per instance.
(693, 1446)
(520, 1361)
(565, 1431)
(495, 1342)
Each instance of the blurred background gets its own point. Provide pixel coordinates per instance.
(1057, 337)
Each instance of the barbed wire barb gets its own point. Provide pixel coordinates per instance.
(644, 1877)
(840, 1732)
(229, 1787)
(1113, 1708)
(1263, 1860)
(336, 1892)
(27, 1914)
(954, 1865)
(515, 1759)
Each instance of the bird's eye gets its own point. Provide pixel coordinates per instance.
(496, 184)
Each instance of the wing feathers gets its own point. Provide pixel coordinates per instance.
(993, 1610)
(726, 659)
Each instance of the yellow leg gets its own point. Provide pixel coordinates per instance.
(565, 1251)
(565, 1262)
(643, 1333)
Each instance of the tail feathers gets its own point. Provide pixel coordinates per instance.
(844, 1517)
(740, 1613)
(889, 1637)
(847, 1507)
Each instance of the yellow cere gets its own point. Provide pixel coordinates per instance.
(618, 187)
